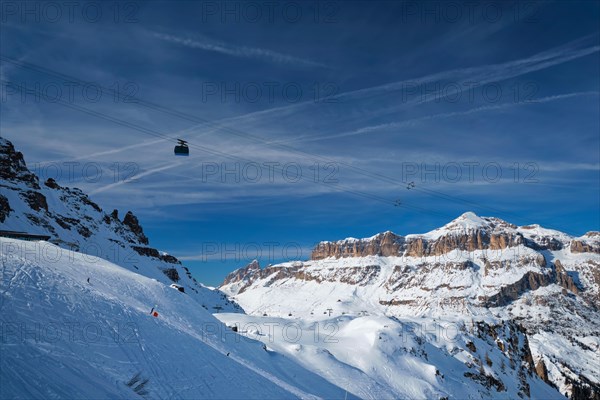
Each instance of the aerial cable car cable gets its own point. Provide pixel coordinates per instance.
(192, 118)
(216, 152)
(219, 153)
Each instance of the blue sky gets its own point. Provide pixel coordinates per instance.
(308, 121)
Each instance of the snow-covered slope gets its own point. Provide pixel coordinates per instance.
(75, 223)
(64, 337)
(378, 357)
(473, 268)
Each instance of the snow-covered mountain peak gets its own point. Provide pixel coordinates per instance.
(468, 223)
(76, 223)
(468, 220)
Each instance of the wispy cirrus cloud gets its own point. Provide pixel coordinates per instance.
(414, 121)
(478, 75)
(207, 44)
(136, 177)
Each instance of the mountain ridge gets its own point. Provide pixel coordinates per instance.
(472, 267)
(76, 223)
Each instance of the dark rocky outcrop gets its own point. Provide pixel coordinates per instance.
(4, 208)
(65, 222)
(563, 278)
(151, 252)
(172, 274)
(134, 226)
(51, 183)
(252, 272)
(360, 276)
(509, 293)
(486, 380)
(587, 246)
(84, 231)
(36, 200)
(541, 371)
(584, 389)
(544, 243)
(13, 167)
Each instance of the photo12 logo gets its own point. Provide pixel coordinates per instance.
(242, 252)
(70, 92)
(91, 172)
(269, 172)
(317, 11)
(322, 332)
(468, 12)
(75, 332)
(268, 92)
(49, 253)
(24, 12)
(467, 171)
(470, 92)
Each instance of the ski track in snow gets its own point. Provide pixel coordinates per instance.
(54, 293)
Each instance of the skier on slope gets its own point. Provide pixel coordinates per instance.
(153, 313)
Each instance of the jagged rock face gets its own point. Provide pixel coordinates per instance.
(151, 252)
(563, 279)
(468, 241)
(132, 222)
(467, 233)
(36, 200)
(4, 208)
(52, 184)
(384, 244)
(390, 244)
(511, 339)
(13, 167)
(243, 273)
(244, 277)
(73, 220)
(360, 276)
(542, 371)
(509, 293)
(590, 243)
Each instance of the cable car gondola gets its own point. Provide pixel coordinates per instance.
(182, 148)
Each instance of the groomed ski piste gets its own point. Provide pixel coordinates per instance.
(63, 337)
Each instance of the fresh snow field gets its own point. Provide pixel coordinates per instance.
(376, 357)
